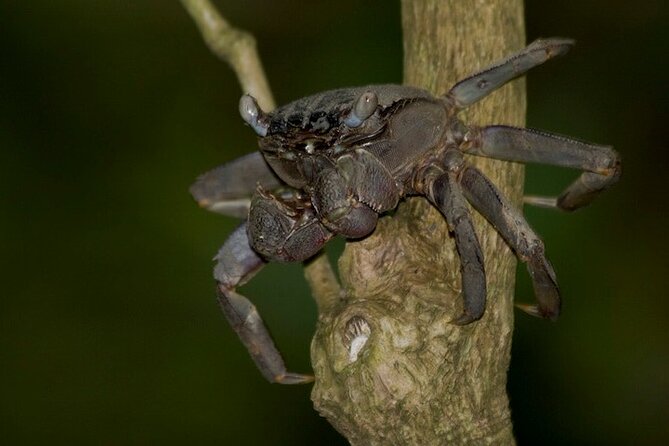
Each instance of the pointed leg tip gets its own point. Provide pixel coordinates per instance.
(465, 319)
(556, 46)
(564, 42)
(534, 310)
(294, 378)
(203, 203)
(544, 202)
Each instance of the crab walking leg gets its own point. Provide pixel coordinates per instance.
(529, 248)
(445, 193)
(227, 189)
(237, 263)
(477, 86)
(601, 163)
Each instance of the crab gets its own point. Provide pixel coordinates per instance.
(334, 162)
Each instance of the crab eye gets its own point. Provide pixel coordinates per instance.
(363, 108)
(253, 115)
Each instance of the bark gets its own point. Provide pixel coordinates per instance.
(418, 379)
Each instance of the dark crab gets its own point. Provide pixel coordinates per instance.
(333, 162)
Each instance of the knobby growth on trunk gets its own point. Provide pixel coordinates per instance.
(390, 368)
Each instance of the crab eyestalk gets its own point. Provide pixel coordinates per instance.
(253, 115)
(363, 108)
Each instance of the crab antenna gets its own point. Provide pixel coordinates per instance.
(363, 108)
(253, 115)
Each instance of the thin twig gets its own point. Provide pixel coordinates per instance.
(235, 46)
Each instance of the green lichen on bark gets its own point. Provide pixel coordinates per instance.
(419, 379)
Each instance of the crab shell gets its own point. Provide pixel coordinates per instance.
(399, 124)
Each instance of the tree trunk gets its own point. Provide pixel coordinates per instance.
(390, 368)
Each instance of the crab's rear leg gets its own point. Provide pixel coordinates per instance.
(481, 84)
(444, 191)
(529, 248)
(228, 188)
(601, 163)
(237, 263)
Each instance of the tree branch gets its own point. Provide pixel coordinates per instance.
(418, 379)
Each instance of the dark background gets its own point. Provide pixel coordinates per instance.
(109, 332)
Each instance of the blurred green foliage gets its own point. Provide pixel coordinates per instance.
(109, 329)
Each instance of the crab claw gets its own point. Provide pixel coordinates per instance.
(363, 108)
(253, 115)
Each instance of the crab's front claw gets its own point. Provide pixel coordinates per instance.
(349, 196)
(285, 228)
(338, 208)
